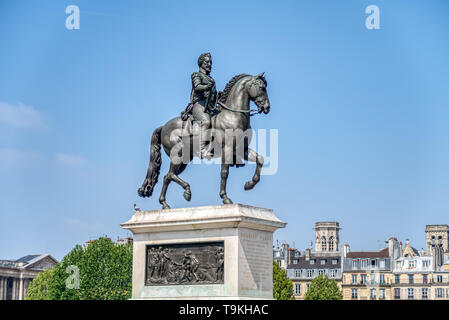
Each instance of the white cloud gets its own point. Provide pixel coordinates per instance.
(70, 160)
(21, 116)
(10, 157)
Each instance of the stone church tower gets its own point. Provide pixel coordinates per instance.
(437, 242)
(327, 239)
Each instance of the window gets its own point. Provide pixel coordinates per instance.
(354, 294)
(373, 278)
(411, 293)
(298, 289)
(440, 279)
(381, 293)
(397, 293)
(312, 261)
(426, 263)
(333, 273)
(373, 262)
(307, 286)
(334, 261)
(372, 294)
(295, 261)
(354, 279)
(382, 279)
(397, 278)
(364, 264)
(321, 272)
(323, 261)
(410, 279)
(398, 264)
(323, 244)
(412, 264)
(298, 273)
(382, 263)
(363, 279)
(425, 293)
(355, 264)
(439, 292)
(331, 243)
(309, 273)
(424, 279)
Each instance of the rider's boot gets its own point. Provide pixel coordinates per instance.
(205, 147)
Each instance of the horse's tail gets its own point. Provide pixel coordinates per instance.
(154, 167)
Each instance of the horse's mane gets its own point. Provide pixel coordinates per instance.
(229, 86)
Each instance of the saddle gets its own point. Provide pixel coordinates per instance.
(187, 117)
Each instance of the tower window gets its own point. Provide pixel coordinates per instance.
(323, 244)
(331, 243)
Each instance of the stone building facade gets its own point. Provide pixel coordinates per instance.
(16, 275)
(423, 275)
(367, 274)
(396, 272)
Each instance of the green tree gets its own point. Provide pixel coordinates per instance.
(38, 289)
(102, 271)
(322, 288)
(282, 285)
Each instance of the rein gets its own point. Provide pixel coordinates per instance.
(251, 112)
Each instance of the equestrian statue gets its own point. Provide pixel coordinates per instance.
(218, 116)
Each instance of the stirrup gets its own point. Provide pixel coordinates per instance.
(206, 153)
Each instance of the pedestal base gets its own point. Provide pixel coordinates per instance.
(177, 252)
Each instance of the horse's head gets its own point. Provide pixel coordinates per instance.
(257, 90)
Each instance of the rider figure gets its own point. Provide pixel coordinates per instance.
(202, 100)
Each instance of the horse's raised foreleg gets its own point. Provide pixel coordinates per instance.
(253, 156)
(224, 178)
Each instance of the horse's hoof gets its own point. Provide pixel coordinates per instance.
(165, 206)
(187, 195)
(249, 185)
(227, 201)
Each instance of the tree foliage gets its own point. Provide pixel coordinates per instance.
(38, 289)
(102, 271)
(322, 288)
(282, 285)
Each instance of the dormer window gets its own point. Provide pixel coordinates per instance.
(312, 261)
(364, 263)
(323, 261)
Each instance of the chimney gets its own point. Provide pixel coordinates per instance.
(308, 254)
(393, 248)
(345, 250)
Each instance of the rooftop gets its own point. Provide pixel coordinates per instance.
(384, 253)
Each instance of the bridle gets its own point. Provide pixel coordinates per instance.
(251, 112)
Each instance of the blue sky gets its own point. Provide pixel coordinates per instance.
(362, 114)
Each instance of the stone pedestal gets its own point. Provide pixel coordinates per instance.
(245, 233)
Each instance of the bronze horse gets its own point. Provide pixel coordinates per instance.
(234, 116)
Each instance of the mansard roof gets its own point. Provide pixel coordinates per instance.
(369, 254)
(304, 263)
